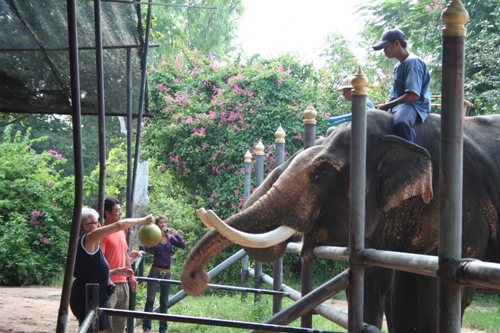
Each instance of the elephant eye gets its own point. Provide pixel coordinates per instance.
(321, 172)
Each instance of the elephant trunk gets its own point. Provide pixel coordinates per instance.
(194, 279)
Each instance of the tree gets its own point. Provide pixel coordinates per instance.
(36, 205)
(177, 29)
(207, 114)
(422, 25)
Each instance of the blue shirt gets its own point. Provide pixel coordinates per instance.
(369, 104)
(412, 75)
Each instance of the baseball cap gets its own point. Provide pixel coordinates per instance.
(391, 34)
(346, 84)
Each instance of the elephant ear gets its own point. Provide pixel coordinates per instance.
(404, 171)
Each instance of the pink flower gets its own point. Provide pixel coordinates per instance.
(204, 146)
(55, 153)
(280, 82)
(298, 115)
(241, 202)
(174, 159)
(298, 137)
(189, 120)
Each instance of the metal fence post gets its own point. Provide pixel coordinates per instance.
(357, 203)
(92, 302)
(246, 195)
(451, 164)
(307, 264)
(259, 178)
(278, 264)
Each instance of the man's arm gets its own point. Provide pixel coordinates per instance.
(409, 97)
(131, 278)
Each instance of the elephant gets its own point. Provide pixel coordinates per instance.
(309, 195)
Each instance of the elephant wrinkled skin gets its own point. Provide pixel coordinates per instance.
(310, 193)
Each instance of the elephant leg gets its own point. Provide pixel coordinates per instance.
(378, 282)
(403, 304)
(467, 297)
(427, 304)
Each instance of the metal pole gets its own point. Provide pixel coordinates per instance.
(357, 203)
(259, 178)
(141, 101)
(307, 264)
(222, 266)
(62, 318)
(246, 195)
(451, 165)
(100, 108)
(278, 264)
(130, 209)
(325, 311)
(92, 302)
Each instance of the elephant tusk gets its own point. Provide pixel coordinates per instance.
(264, 240)
(201, 215)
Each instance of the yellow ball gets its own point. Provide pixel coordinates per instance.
(149, 235)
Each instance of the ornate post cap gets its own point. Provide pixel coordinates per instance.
(310, 115)
(248, 157)
(259, 148)
(280, 135)
(454, 17)
(359, 83)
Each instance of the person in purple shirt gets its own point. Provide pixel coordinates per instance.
(410, 96)
(161, 270)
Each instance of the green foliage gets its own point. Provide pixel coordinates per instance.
(483, 314)
(208, 114)
(209, 30)
(35, 201)
(422, 25)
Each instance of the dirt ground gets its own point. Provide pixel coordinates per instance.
(35, 309)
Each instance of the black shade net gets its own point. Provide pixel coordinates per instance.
(34, 56)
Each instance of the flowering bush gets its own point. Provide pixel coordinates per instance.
(36, 206)
(208, 114)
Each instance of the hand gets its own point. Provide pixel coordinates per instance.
(384, 107)
(133, 282)
(136, 254)
(124, 271)
(173, 232)
(150, 218)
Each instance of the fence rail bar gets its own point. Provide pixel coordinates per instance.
(479, 273)
(205, 321)
(307, 303)
(482, 274)
(408, 262)
(325, 311)
(219, 286)
(87, 322)
(221, 267)
(332, 252)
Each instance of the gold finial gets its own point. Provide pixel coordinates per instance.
(280, 135)
(310, 115)
(359, 83)
(248, 157)
(454, 18)
(259, 148)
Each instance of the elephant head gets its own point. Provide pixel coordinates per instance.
(311, 194)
